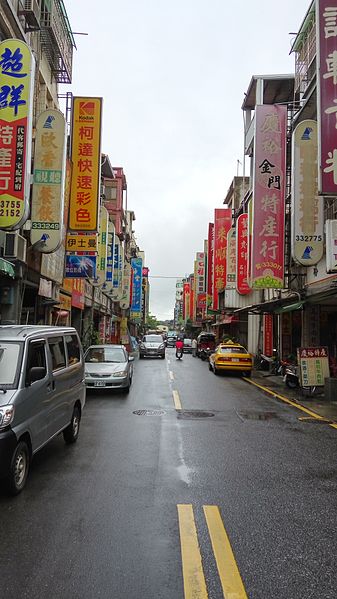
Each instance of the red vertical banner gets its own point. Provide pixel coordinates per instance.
(268, 334)
(186, 301)
(326, 36)
(222, 224)
(267, 251)
(210, 253)
(242, 246)
(192, 310)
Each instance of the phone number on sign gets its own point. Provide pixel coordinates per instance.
(10, 208)
(54, 226)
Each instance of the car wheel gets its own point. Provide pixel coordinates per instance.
(19, 468)
(141, 357)
(163, 357)
(210, 367)
(247, 374)
(215, 370)
(70, 433)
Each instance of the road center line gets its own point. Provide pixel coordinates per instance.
(193, 574)
(230, 578)
(171, 375)
(176, 399)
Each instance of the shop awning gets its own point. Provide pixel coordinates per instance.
(7, 268)
(276, 306)
(290, 308)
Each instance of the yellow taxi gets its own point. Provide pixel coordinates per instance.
(231, 357)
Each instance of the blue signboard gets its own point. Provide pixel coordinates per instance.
(136, 304)
(110, 258)
(116, 264)
(80, 267)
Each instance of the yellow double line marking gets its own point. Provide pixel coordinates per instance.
(193, 574)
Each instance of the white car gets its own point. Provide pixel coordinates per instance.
(108, 367)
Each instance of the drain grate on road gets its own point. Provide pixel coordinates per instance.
(193, 414)
(254, 415)
(149, 412)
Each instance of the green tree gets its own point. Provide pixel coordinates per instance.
(152, 322)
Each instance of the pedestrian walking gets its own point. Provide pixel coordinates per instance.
(194, 348)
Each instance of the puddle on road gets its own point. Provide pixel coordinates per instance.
(255, 415)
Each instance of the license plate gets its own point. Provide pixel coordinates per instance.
(235, 359)
(99, 384)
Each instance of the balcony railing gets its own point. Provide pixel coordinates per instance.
(57, 40)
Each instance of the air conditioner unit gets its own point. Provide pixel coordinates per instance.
(30, 9)
(15, 247)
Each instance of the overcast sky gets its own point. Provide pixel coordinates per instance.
(173, 76)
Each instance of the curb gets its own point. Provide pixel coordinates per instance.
(290, 402)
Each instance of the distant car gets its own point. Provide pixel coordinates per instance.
(231, 357)
(152, 346)
(171, 341)
(187, 349)
(108, 367)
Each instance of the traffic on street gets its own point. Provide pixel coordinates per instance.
(191, 485)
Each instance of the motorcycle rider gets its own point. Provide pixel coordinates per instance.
(179, 347)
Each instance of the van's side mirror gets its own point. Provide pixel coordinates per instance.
(36, 373)
(131, 359)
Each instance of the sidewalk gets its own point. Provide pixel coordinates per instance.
(274, 385)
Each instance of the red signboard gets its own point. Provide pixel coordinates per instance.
(222, 224)
(268, 334)
(242, 239)
(201, 300)
(326, 19)
(186, 301)
(267, 251)
(210, 262)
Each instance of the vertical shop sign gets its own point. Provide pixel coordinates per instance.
(231, 259)
(331, 245)
(125, 301)
(47, 211)
(267, 252)
(102, 247)
(307, 218)
(136, 303)
(186, 301)
(222, 224)
(17, 69)
(268, 334)
(242, 250)
(326, 39)
(210, 252)
(86, 158)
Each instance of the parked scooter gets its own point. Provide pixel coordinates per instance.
(291, 377)
(205, 353)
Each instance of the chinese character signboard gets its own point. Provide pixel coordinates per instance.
(82, 243)
(242, 242)
(77, 296)
(222, 224)
(314, 365)
(326, 37)
(186, 301)
(136, 303)
(268, 334)
(210, 252)
(48, 182)
(102, 246)
(125, 301)
(307, 219)
(231, 259)
(17, 68)
(267, 250)
(86, 158)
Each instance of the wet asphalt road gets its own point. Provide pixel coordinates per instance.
(99, 519)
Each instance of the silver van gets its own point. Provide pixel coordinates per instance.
(42, 393)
